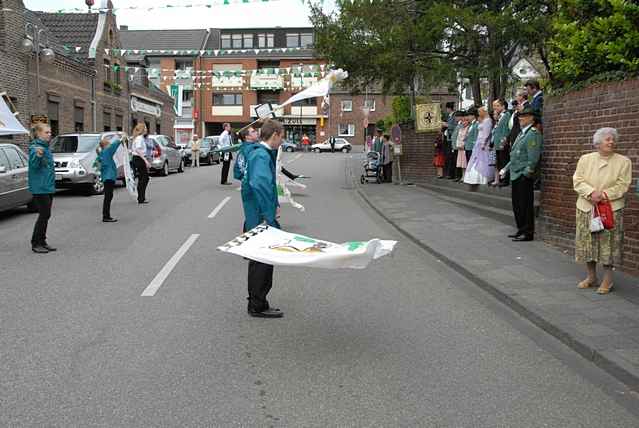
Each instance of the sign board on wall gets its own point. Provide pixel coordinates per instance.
(297, 121)
(141, 106)
(266, 81)
(428, 117)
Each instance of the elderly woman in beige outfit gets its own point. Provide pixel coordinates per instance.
(600, 175)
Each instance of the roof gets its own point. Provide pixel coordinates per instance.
(163, 39)
(71, 30)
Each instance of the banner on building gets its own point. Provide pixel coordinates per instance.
(176, 93)
(273, 246)
(428, 117)
(9, 124)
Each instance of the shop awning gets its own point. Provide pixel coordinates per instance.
(9, 124)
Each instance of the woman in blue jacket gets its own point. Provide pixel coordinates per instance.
(41, 185)
(108, 174)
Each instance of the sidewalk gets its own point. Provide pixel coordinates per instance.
(536, 280)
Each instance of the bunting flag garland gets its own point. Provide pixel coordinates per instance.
(207, 5)
(192, 52)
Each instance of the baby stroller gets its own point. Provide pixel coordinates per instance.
(371, 168)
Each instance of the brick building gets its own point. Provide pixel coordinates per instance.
(223, 74)
(84, 88)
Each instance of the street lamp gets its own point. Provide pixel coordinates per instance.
(31, 44)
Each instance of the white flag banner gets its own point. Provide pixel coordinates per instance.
(121, 158)
(320, 89)
(9, 124)
(273, 246)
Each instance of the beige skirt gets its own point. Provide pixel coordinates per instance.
(605, 247)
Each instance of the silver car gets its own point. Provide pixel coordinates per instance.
(166, 155)
(14, 185)
(74, 155)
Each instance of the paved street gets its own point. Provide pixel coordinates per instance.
(407, 342)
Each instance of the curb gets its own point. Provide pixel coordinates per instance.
(582, 348)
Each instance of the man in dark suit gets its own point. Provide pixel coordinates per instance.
(536, 98)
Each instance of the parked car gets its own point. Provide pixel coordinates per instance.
(73, 155)
(14, 185)
(166, 156)
(341, 144)
(289, 146)
(208, 155)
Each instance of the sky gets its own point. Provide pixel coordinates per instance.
(285, 13)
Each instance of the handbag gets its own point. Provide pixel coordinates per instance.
(595, 221)
(604, 209)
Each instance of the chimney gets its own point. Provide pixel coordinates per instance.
(124, 27)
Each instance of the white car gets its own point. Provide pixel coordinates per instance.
(341, 145)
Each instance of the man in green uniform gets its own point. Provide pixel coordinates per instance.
(524, 157)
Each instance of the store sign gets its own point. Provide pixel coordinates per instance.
(141, 106)
(266, 81)
(297, 121)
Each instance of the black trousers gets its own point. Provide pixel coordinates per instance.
(43, 204)
(225, 171)
(143, 177)
(260, 282)
(469, 153)
(109, 185)
(388, 172)
(523, 198)
(450, 169)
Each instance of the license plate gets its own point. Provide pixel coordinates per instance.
(58, 177)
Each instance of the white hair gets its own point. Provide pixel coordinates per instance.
(602, 133)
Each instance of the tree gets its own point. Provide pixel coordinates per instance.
(383, 42)
(593, 38)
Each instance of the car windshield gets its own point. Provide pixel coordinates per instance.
(74, 143)
(206, 143)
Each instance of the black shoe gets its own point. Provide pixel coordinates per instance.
(515, 235)
(109, 220)
(143, 202)
(49, 247)
(525, 238)
(266, 313)
(40, 249)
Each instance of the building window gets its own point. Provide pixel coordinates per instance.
(265, 40)
(346, 130)
(306, 40)
(119, 122)
(52, 111)
(158, 128)
(187, 95)
(107, 75)
(117, 79)
(107, 121)
(237, 41)
(248, 41)
(347, 105)
(264, 97)
(226, 41)
(227, 99)
(306, 102)
(78, 117)
(370, 104)
(292, 40)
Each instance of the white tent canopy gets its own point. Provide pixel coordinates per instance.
(9, 125)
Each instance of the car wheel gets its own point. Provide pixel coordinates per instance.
(362, 179)
(165, 170)
(289, 149)
(317, 150)
(210, 162)
(181, 166)
(344, 149)
(97, 187)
